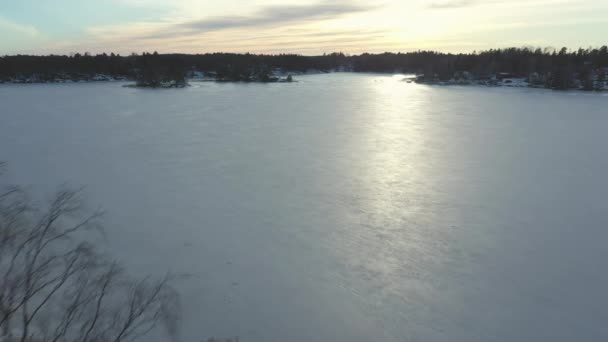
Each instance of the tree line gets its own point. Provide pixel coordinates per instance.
(554, 68)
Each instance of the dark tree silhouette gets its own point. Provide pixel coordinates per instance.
(561, 69)
(56, 286)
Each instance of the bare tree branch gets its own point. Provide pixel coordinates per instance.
(56, 286)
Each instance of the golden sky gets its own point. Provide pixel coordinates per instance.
(305, 27)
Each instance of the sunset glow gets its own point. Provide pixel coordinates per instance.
(305, 27)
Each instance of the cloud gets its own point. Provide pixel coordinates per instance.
(265, 17)
(9, 25)
(452, 4)
(278, 14)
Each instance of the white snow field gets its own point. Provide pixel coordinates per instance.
(343, 207)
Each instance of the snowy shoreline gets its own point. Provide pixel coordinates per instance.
(510, 82)
(196, 77)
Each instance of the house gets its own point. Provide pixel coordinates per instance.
(504, 75)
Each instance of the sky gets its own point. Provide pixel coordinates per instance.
(308, 27)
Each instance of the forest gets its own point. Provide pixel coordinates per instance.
(546, 67)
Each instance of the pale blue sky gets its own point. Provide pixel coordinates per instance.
(300, 26)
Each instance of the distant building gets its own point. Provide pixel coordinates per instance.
(537, 79)
(504, 75)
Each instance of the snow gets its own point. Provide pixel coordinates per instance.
(347, 207)
(514, 82)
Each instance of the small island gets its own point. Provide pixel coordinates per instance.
(156, 73)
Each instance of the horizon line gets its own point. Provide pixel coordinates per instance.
(530, 47)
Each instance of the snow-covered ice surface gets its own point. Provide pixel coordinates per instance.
(343, 207)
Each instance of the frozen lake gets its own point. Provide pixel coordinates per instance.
(344, 207)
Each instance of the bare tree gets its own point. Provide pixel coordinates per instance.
(56, 286)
